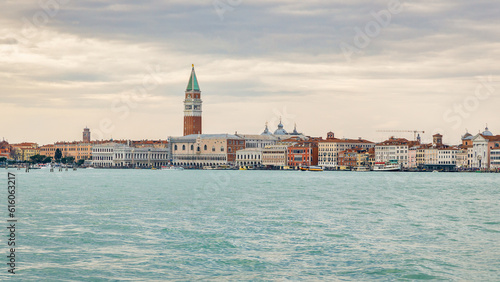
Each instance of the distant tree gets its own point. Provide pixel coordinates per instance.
(80, 162)
(37, 158)
(58, 155)
(3, 159)
(68, 160)
(47, 160)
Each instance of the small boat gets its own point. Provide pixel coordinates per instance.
(45, 166)
(171, 167)
(362, 168)
(35, 166)
(243, 168)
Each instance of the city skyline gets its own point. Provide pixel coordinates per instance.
(326, 66)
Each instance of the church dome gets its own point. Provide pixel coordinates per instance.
(266, 131)
(280, 130)
(467, 136)
(486, 132)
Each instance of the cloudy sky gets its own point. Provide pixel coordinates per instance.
(352, 67)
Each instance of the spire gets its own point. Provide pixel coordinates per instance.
(193, 82)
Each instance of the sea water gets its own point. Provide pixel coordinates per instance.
(153, 225)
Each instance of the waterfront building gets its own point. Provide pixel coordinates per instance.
(114, 154)
(495, 158)
(275, 156)
(482, 144)
(77, 150)
(441, 158)
(348, 159)
(303, 153)
(394, 149)
(192, 106)
(249, 157)
(5, 150)
(412, 157)
(465, 152)
(199, 150)
(328, 149)
(24, 151)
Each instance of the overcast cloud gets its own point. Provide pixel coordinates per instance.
(74, 63)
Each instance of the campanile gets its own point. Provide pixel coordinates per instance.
(192, 106)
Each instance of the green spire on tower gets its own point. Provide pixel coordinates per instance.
(193, 82)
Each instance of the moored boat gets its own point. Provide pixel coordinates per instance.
(171, 167)
(392, 165)
(362, 168)
(311, 168)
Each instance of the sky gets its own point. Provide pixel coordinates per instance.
(352, 67)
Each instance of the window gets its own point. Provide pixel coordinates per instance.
(222, 149)
(213, 149)
(192, 147)
(205, 147)
(175, 147)
(183, 147)
(198, 148)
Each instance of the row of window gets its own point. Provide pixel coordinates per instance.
(247, 157)
(205, 148)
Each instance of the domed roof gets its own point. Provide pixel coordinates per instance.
(467, 136)
(266, 131)
(280, 130)
(486, 132)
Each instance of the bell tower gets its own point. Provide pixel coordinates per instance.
(192, 106)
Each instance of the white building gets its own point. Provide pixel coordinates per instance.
(249, 157)
(200, 150)
(482, 145)
(393, 149)
(328, 149)
(495, 158)
(121, 155)
(275, 155)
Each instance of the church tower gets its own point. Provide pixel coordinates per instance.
(192, 106)
(86, 135)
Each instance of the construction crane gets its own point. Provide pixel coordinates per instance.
(415, 132)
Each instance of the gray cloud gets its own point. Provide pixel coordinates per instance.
(89, 52)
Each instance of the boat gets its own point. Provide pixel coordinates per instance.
(171, 167)
(391, 165)
(311, 168)
(243, 168)
(362, 168)
(45, 166)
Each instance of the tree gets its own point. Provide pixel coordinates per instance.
(58, 155)
(37, 158)
(3, 159)
(68, 160)
(80, 162)
(47, 160)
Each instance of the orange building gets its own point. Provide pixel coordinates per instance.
(5, 150)
(303, 153)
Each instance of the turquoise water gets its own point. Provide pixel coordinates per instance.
(95, 225)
